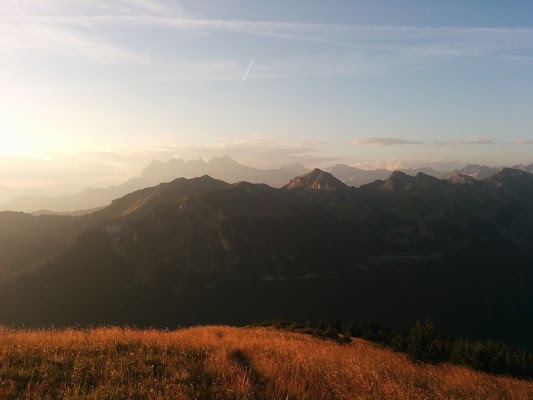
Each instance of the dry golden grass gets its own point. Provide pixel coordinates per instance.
(219, 362)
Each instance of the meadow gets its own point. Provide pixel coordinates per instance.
(220, 362)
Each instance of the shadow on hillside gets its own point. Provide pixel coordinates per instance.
(239, 357)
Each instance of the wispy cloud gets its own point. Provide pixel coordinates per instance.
(384, 141)
(381, 164)
(393, 164)
(467, 142)
(61, 27)
(87, 7)
(73, 28)
(394, 141)
(54, 39)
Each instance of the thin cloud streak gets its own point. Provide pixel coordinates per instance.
(394, 141)
(467, 142)
(47, 39)
(337, 34)
(384, 141)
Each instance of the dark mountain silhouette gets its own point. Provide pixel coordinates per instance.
(205, 251)
(141, 202)
(510, 177)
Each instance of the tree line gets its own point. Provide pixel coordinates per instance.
(424, 342)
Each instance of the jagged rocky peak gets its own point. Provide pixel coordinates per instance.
(477, 171)
(155, 165)
(162, 171)
(398, 180)
(222, 161)
(316, 180)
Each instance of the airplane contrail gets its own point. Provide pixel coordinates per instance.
(248, 70)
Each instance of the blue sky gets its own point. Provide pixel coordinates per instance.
(91, 91)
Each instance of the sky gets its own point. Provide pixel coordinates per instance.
(92, 90)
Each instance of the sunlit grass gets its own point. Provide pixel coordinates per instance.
(224, 363)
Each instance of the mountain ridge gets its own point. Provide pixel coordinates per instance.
(205, 251)
(223, 168)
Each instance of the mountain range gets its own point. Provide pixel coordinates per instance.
(223, 168)
(201, 250)
(8, 193)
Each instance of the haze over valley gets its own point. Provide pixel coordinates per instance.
(223, 168)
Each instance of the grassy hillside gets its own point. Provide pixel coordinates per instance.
(218, 362)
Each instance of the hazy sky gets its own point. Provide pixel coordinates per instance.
(92, 90)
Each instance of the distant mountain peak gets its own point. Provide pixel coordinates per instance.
(423, 175)
(477, 171)
(224, 160)
(461, 179)
(316, 180)
(295, 167)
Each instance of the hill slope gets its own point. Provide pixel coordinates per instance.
(218, 362)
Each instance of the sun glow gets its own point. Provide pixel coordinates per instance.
(23, 139)
(15, 143)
